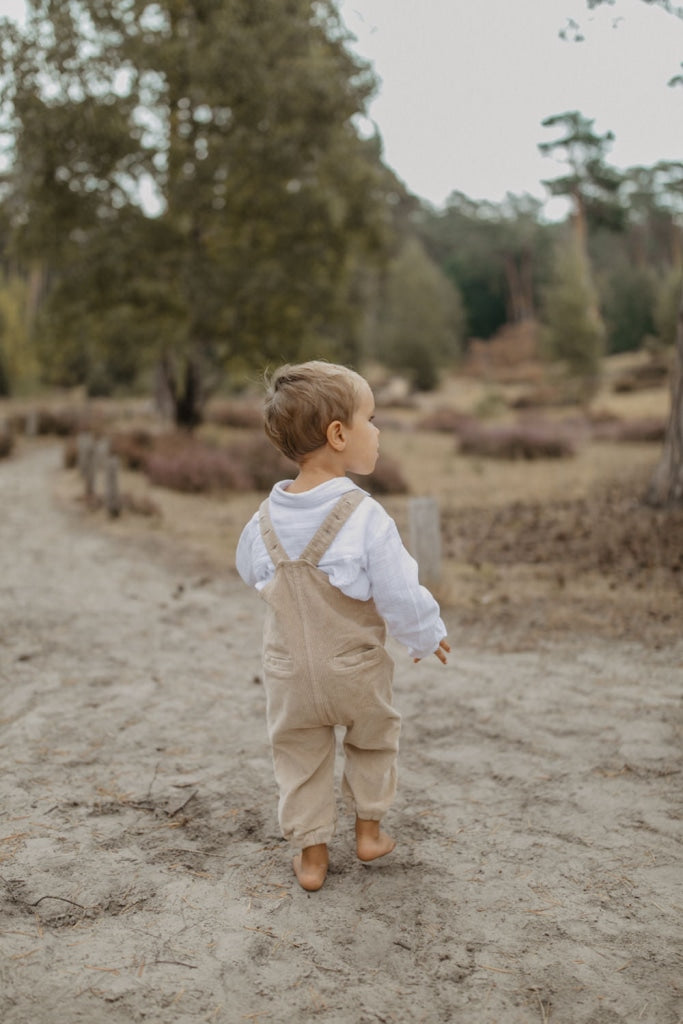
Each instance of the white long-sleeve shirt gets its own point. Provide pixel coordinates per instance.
(366, 559)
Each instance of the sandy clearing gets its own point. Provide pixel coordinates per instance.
(142, 875)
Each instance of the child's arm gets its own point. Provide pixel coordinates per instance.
(410, 611)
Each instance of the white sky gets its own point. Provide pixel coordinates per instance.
(465, 85)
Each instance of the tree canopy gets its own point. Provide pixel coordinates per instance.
(190, 177)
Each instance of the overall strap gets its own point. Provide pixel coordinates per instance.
(273, 545)
(331, 525)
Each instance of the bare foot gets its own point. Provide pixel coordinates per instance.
(371, 842)
(310, 866)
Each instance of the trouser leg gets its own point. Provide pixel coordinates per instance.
(371, 754)
(303, 760)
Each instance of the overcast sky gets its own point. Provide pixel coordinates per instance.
(465, 85)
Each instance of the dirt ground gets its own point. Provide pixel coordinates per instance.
(538, 872)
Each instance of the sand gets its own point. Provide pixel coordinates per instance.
(142, 876)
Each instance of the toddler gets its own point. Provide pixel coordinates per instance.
(330, 564)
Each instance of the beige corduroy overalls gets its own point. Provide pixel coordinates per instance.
(325, 664)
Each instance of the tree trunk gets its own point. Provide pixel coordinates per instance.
(666, 485)
(190, 398)
(180, 395)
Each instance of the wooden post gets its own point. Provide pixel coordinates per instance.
(31, 423)
(101, 457)
(83, 444)
(112, 495)
(425, 538)
(87, 463)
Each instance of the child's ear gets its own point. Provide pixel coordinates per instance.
(336, 437)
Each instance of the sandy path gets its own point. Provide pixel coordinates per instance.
(538, 876)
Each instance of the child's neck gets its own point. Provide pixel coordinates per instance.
(321, 466)
(308, 479)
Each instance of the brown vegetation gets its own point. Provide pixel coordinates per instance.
(510, 356)
(528, 440)
(6, 443)
(531, 542)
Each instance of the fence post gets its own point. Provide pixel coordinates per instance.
(31, 423)
(87, 462)
(425, 538)
(112, 495)
(101, 456)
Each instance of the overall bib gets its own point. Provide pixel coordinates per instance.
(325, 665)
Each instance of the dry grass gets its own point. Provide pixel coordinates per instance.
(502, 601)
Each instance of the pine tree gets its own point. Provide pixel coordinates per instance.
(573, 334)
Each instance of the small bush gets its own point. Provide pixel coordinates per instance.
(653, 374)
(386, 478)
(63, 422)
(537, 440)
(6, 443)
(445, 420)
(244, 415)
(541, 396)
(195, 468)
(645, 429)
(135, 446)
(261, 463)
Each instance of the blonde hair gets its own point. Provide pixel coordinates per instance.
(302, 400)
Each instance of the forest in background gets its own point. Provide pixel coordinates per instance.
(187, 200)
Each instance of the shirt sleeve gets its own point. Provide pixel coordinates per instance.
(246, 563)
(411, 613)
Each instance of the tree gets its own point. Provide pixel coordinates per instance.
(666, 485)
(591, 184)
(18, 362)
(573, 334)
(238, 117)
(419, 317)
(593, 188)
(493, 254)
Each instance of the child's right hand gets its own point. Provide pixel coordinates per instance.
(441, 651)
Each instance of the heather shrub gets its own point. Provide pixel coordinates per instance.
(653, 374)
(533, 440)
(245, 415)
(445, 420)
(134, 447)
(541, 396)
(386, 478)
(261, 463)
(194, 468)
(17, 423)
(6, 443)
(63, 422)
(644, 429)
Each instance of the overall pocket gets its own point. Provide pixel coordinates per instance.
(358, 658)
